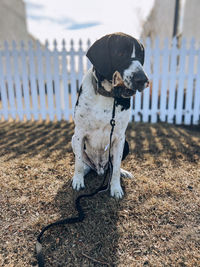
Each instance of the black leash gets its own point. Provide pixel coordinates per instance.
(81, 215)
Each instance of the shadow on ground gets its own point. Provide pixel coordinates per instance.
(176, 142)
(156, 222)
(17, 139)
(94, 241)
(33, 138)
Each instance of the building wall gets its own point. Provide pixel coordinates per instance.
(191, 23)
(161, 20)
(13, 21)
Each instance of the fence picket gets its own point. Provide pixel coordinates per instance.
(196, 114)
(172, 82)
(72, 76)
(33, 85)
(155, 91)
(41, 84)
(137, 108)
(164, 82)
(88, 62)
(180, 89)
(189, 92)
(3, 91)
(25, 84)
(80, 63)
(9, 80)
(57, 82)
(17, 82)
(49, 81)
(65, 90)
(146, 92)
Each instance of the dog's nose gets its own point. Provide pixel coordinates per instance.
(140, 78)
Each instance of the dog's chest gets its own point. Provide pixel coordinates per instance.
(93, 121)
(93, 118)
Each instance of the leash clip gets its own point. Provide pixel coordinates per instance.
(112, 122)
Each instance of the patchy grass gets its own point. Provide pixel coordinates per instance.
(157, 223)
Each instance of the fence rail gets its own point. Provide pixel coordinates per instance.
(39, 83)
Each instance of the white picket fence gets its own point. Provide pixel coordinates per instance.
(39, 83)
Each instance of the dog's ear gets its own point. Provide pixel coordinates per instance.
(99, 56)
(140, 52)
(113, 53)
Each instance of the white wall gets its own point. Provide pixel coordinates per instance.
(191, 23)
(12, 21)
(161, 20)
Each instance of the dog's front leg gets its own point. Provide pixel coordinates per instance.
(115, 185)
(78, 178)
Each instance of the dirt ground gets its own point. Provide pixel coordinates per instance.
(157, 223)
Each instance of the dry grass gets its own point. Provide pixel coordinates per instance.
(156, 224)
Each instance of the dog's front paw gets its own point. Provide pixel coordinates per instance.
(78, 183)
(116, 191)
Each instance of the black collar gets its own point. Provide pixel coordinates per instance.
(99, 89)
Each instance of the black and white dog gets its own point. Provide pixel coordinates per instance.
(117, 73)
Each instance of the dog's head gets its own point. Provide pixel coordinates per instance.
(119, 58)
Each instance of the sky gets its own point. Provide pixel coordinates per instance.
(85, 19)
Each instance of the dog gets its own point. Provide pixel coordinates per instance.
(117, 73)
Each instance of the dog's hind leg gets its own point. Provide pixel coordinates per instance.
(87, 169)
(125, 150)
(125, 174)
(115, 186)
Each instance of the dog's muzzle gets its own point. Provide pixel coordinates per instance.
(138, 81)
